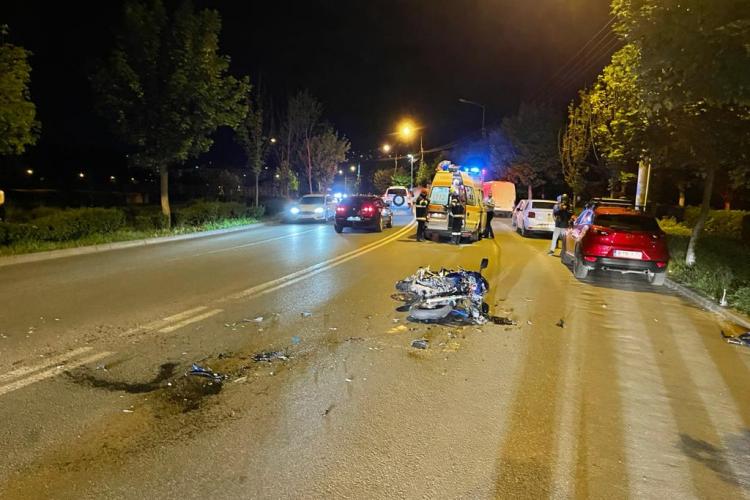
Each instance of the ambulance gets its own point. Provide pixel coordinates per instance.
(450, 178)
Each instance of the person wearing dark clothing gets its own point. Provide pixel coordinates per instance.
(420, 210)
(562, 215)
(457, 212)
(489, 206)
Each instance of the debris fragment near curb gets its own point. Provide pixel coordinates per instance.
(742, 339)
(198, 371)
(420, 344)
(267, 357)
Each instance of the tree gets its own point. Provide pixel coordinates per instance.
(327, 150)
(250, 136)
(533, 136)
(382, 179)
(303, 119)
(165, 87)
(576, 143)
(19, 127)
(679, 43)
(425, 174)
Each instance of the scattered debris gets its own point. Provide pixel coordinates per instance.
(296, 340)
(395, 320)
(306, 314)
(198, 371)
(267, 357)
(420, 344)
(328, 410)
(742, 339)
(240, 380)
(560, 323)
(355, 339)
(604, 306)
(259, 319)
(528, 322)
(348, 379)
(127, 411)
(333, 328)
(499, 320)
(398, 329)
(101, 367)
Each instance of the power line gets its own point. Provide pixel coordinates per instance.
(607, 49)
(542, 89)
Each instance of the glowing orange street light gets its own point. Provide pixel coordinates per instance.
(386, 148)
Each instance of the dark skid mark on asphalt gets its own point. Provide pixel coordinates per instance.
(83, 377)
(712, 457)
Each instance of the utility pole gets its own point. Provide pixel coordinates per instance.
(466, 101)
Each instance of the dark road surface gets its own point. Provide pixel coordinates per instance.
(636, 396)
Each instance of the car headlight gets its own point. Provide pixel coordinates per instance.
(294, 210)
(319, 210)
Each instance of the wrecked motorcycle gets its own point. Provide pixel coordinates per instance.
(445, 295)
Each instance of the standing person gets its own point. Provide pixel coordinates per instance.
(489, 206)
(457, 212)
(562, 215)
(420, 211)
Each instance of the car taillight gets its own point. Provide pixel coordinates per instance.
(368, 209)
(532, 215)
(661, 264)
(589, 258)
(340, 209)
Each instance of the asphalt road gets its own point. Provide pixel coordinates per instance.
(636, 396)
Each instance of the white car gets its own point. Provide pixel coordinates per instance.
(314, 207)
(534, 216)
(398, 197)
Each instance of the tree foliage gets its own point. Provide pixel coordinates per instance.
(250, 135)
(165, 87)
(19, 127)
(382, 179)
(532, 135)
(327, 150)
(302, 121)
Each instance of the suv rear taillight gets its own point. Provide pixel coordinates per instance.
(368, 209)
(340, 209)
(532, 215)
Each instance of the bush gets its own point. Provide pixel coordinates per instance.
(76, 223)
(725, 223)
(746, 228)
(740, 299)
(205, 212)
(13, 233)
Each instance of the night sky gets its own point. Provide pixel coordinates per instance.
(369, 62)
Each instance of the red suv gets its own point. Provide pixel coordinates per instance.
(616, 239)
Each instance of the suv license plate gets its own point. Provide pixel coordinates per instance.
(354, 219)
(624, 254)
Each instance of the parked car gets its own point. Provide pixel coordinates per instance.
(616, 239)
(534, 216)
(316, 207)
(363, 211)
(398, 197)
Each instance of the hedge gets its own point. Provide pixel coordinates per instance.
(49, 224)
(724, 223)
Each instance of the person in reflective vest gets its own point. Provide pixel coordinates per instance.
(420, 210)
(457, 212)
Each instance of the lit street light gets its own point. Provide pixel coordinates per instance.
(29, 171)
(81, 175)
(386, 148)
(273, 140)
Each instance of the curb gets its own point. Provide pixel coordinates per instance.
(119, 245)
(707, 304)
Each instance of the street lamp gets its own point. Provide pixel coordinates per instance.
(29, 171)
(273, 140)
(466, 101)
(386, 148)
(411, 179)
(81, 175)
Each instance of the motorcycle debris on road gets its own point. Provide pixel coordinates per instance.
(742, 339)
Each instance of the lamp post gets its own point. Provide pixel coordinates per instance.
(411, 179)
(466, 101)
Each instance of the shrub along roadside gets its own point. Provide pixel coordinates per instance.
(721, 263)
(85, 226)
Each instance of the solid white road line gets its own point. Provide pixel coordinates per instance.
(55, 360)
(188, 321)
(302, 274)
(51, 372)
